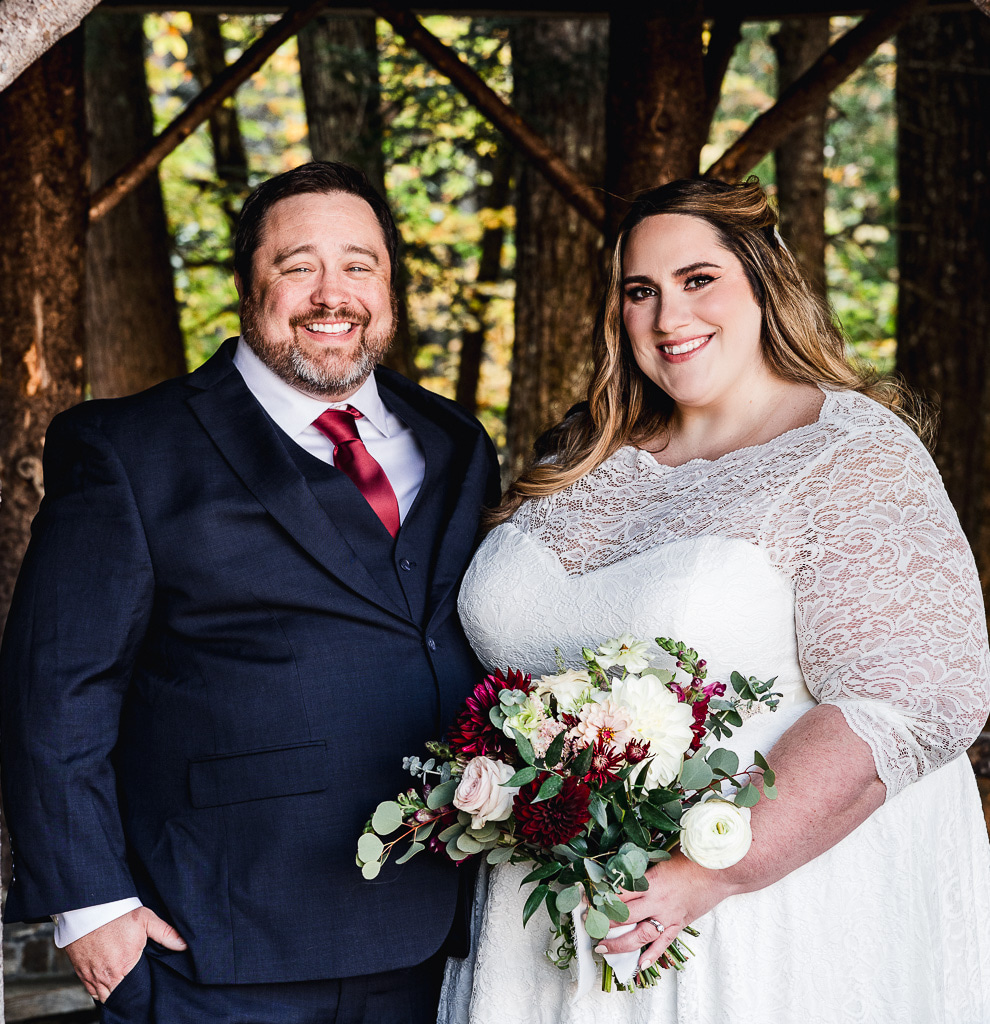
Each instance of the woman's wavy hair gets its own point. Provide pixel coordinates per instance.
(800, 341)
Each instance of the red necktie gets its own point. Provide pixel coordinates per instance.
(351, 457)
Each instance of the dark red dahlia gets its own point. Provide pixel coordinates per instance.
(605, 763)
(473, 733)
(637, 750)
(552, 821)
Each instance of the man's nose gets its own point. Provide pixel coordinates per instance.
(331, 289)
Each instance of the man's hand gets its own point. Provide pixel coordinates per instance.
(104, 956)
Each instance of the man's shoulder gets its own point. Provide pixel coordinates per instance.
(427, 402)
(153, 408)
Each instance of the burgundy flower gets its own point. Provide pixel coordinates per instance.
(700, 711)
(447, 818)
(552, 821)
(637, 750)
(605, 762)
(473, 733)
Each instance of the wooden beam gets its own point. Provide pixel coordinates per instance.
(107, 197)
(579, 193)
(798, 100)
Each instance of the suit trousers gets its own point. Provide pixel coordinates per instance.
(153, 993)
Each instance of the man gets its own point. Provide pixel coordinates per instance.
(236, 615)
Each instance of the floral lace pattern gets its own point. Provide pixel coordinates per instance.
(829, 558)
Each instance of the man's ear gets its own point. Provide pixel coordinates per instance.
(239, 285)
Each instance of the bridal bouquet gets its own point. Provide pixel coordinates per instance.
(591, 776)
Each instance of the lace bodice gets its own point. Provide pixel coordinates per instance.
(847, 514)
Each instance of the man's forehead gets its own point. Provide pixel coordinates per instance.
(319, 218)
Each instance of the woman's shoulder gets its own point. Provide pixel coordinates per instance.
(852, 420)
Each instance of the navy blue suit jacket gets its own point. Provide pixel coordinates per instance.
(210, 678)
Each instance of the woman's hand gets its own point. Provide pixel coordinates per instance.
(680, 892)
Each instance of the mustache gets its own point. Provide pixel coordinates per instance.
(317, 315)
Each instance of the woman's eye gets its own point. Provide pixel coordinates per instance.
(638, 293)
(698, 281)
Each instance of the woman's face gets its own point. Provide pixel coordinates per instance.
(689, 312)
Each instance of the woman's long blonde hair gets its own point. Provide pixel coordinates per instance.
(799, 339)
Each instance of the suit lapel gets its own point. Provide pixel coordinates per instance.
(250, 444)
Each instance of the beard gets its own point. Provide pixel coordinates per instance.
(329, 373)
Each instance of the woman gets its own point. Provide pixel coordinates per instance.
(736, 485)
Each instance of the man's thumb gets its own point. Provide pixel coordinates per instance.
(164, 934)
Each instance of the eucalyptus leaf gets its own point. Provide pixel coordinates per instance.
(595, 871)
(695, 774)
(387, 817)
(617, 910)
(450, 832)
(770, 777)
(483, 835)
(496, 716)
(454, 853)
(770, 792)
(636, 859)
(370, 847)
(425, 831)
(441, 795)
(371, 869)
(411, 852)
(658, 855)
(467, 844)
(759, 760)
(562, 850)
(569, 899)
(499, 855)
(445, 772)
(748, 796)
(596, 924)
(536, 898)
(724, 760)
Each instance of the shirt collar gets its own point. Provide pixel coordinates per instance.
(293, 410)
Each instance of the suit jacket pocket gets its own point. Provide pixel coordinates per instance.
(259, 774)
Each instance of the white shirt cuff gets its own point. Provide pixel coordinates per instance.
(74, 924)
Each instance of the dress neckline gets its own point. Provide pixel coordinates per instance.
(645, 458)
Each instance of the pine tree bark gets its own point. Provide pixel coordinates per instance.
(338, 66)
(496, 197)
(943, 329)
(206, 48)
(801, 158)
(132, 322)
(43, 209)
(560, 70)
(658, 109)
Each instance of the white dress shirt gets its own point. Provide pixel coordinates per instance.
(388, 440)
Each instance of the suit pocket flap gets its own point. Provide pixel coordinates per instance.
(259, 774)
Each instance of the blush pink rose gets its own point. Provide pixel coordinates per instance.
(481, 794)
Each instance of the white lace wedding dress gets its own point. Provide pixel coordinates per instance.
(829, 558)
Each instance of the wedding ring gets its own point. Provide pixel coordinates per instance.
(656, 924)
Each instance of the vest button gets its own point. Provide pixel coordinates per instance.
(431, 643)
(405, 565)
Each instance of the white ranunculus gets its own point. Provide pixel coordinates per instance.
(716, 833)
(571, 688)
(658, 716)
(481, 794)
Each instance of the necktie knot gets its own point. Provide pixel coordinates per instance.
(351, 456)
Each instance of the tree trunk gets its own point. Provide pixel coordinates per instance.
(338, 65)
(132, 323)
(560, 69)
(496, 197)
(208, 60)
(658, 110)
(801, 158)
(943, 330)
(43, 210)
(44, 204)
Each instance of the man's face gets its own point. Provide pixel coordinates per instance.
(320, 312)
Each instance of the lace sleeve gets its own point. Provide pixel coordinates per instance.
(889, 611)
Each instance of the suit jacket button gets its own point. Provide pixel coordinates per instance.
(405, 565)
(431, 643)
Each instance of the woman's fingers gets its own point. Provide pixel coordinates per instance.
(652, 953)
